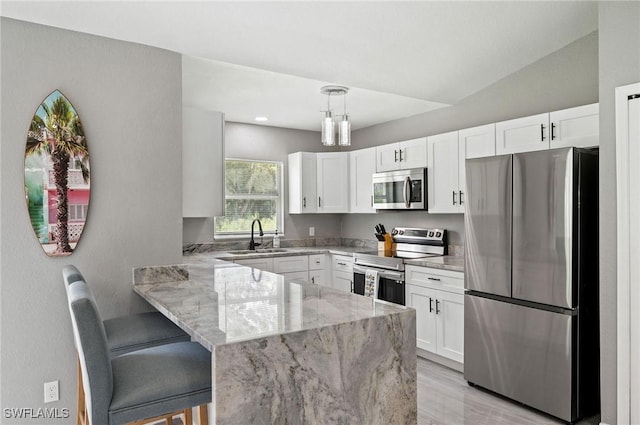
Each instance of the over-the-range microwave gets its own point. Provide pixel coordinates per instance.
(400, 190)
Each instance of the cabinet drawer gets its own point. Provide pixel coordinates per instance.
(296, 263)
(317, 261)
(298, 276)
(342, 263)
(445, 280)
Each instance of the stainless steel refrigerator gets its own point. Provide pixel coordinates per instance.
(531, 279)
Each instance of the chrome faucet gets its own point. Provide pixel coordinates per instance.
(252, 243)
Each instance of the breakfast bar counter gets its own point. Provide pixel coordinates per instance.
(286, 351)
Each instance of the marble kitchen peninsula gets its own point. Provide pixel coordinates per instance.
(285, 351)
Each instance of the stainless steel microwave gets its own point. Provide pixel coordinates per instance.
(400, 190)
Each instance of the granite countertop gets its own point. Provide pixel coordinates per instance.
(218, 302)
(271, 252)
(448, 262)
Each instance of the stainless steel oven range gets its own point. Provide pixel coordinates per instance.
(410, 243)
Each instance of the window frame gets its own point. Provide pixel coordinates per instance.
(279, 202)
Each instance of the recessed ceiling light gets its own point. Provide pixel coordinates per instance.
(262, 119)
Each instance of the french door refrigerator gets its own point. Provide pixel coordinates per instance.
(531, 279)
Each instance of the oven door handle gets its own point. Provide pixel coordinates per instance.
(385, 274)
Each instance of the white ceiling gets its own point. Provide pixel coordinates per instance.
(270, 58)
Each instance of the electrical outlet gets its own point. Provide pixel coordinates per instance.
(51, 391)
(312, 231)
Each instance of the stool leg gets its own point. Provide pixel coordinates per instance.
(81, 415)
(203, 415)
(188, 416)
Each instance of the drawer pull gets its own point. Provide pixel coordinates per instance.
(434, 278)
(341, 264)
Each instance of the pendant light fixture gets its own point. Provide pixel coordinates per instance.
(328, 126)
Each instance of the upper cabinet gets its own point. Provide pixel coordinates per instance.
(446, 170)
(318, 182)
(579, 127)
(333, 182)
(302, 183)
(402, 155)
(569, 127)
(442, 173)
(202, 163)
(362, 165)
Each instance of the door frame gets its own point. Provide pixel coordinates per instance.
(628, 270)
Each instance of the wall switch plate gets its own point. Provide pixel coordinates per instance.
(51, 391)
(312, 231)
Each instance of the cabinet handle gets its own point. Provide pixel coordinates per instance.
(352, 289)
(454, 197)
(542, 132)
(395, 155)
(433, 278)
(430, 304)
(319, 202)
(553, 134)
(313, 279)
(437, 306)
(372, 200)
(341, 264)
(401, 156)
(461, 199)
(304, 202)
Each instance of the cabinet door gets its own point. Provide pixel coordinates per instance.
(343, 281)
(318, 277)
(423, 300)
(294, 263)
(413, 153)
(333, 182)
(265, 264)
(302, 182)
(362, 165)
(577, 127)
(202, 163)
(523, 134)
(442, 173)
(387, 157)
(450, 325)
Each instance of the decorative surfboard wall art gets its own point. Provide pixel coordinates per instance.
(56, 175)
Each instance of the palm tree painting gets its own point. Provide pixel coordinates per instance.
(57, 175)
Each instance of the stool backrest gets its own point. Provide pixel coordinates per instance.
(71, 274)
(93, 352)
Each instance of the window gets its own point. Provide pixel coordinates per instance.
(253, 189)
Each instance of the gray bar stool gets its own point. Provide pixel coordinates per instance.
(141, 386)
(125, 334)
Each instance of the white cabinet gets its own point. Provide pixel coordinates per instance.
(438, 297)
(442, 174)
(402, 155)
(362, 165)
(342, 272)
(477, 142)
(265, 264)
(202, 163)
(318, 182)
(332, 183)
(302, 183)
(577, 126)
(294, 263)
(318, 265)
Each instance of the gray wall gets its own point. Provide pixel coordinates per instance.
(565, 78)
(247, 141)
(619, 25)
(129, 99)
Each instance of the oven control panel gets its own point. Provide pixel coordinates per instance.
(420, 235)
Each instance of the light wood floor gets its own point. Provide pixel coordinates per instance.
(445, 398)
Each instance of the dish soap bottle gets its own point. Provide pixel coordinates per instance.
(276, 240)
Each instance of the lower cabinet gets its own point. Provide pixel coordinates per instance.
(265, 264)
(438, 298)
(318, 268)
(342, 272)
